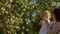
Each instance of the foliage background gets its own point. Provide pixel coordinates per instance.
(23, 16)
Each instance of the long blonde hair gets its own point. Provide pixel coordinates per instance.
(47, 12)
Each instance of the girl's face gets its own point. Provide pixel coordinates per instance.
(46, 15)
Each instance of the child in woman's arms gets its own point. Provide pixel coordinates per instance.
(45, 22)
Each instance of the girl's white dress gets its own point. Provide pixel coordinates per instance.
(43, 29)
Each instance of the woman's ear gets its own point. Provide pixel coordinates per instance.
(54, 17)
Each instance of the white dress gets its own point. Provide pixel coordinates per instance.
(43, 29)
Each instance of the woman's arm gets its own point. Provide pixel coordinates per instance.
(49, 30)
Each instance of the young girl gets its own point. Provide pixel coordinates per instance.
(45, 22)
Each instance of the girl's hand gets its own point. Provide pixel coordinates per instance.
(42, 22)
(45, 18)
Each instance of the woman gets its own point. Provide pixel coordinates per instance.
(56, 28)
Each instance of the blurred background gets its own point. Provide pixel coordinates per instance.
(23, 16)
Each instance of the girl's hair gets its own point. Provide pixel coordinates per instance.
(46, 12)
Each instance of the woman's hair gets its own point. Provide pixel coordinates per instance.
(56, 13)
